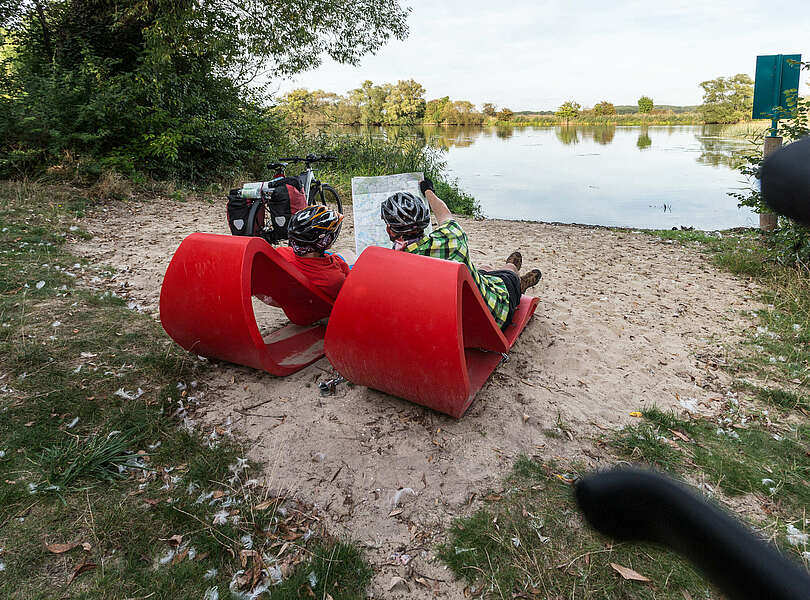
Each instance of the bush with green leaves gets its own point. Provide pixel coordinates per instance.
(163, 88)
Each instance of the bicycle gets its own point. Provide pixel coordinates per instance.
(315, 191)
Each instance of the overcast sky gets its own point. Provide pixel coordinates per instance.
(535, 54)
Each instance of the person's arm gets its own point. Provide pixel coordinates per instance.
(437, 205)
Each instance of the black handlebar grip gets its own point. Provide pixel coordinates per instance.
(785, 179)
(636, 505)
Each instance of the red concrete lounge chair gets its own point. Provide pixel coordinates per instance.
(417, 328)
(206, 306)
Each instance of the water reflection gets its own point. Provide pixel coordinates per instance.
(717, 151)
(644, 141)
(568, 134)
(601, 175)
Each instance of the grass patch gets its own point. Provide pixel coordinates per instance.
(782, 398)
(102, 458)
(96, 445)
(740, 253)
(739, 453)
(530, 542)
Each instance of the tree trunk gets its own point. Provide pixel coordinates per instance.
(46, 37)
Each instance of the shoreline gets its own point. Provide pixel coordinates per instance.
(618, 228)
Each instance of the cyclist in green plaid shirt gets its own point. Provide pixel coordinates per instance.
(407, 217)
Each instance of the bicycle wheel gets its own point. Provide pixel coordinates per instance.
(327, 196)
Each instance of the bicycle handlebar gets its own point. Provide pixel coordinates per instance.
(636, 505)
(309, 158)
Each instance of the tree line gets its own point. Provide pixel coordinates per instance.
(402, 103)
(725, 100)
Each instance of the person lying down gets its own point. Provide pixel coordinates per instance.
(406, 217)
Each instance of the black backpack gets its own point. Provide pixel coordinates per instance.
(281, 197)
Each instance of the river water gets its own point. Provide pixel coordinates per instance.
(640, 177)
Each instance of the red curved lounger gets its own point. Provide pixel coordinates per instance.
(417, 328)
(206, 307)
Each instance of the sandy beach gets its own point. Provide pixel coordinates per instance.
(625, 320)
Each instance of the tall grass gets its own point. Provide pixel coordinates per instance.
(367, 156)
(746, 129)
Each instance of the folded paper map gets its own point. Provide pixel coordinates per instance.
(368, 193)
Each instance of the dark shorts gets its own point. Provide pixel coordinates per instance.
(512, 282)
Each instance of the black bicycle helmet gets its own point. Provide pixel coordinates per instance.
(405, 213)
(314, 229)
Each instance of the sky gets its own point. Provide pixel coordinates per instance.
(534, 55)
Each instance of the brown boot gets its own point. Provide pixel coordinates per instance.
(530, 279)
(516, 258)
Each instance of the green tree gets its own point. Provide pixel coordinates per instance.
(645, 104)
(461, 112)
(434, 109)
(488, 109)
(604, 109)
(568, 110)
(727, 99)
(505, 114)
(371, 99)
(405, 103)
(165, 84)
(296, 105)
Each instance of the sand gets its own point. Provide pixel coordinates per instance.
(625, 321)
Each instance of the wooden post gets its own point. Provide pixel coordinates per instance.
(768, 220)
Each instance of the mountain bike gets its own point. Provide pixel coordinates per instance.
(315, 191)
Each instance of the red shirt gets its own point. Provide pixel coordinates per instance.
(327, 273)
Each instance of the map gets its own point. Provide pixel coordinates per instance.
(368, 193)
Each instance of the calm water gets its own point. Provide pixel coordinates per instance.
(645, 177)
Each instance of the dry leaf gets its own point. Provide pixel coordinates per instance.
(29, 423)
(218, 494)
(628, 573)
(82, 568)
(264, 505)
(680, 436)
(421, 581)
(686, 595)
(180, 557)
(151, 501)
(86, 546)
(395, 512)
(398, 582)
(61, 548)
(175, 540)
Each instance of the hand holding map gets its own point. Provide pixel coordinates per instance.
(368, 193)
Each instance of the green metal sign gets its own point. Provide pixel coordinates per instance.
(776, 86)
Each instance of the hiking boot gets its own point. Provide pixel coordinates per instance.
(530, 279)
(516, 258)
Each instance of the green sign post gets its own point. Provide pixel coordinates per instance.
(776, 87)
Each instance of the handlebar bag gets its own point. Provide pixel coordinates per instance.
(238, 214)
(286, 199)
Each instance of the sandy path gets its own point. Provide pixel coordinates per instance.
(624, 321)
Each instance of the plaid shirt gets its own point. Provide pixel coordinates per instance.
(449, 242)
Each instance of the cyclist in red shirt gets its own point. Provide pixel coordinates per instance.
(311, 232)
